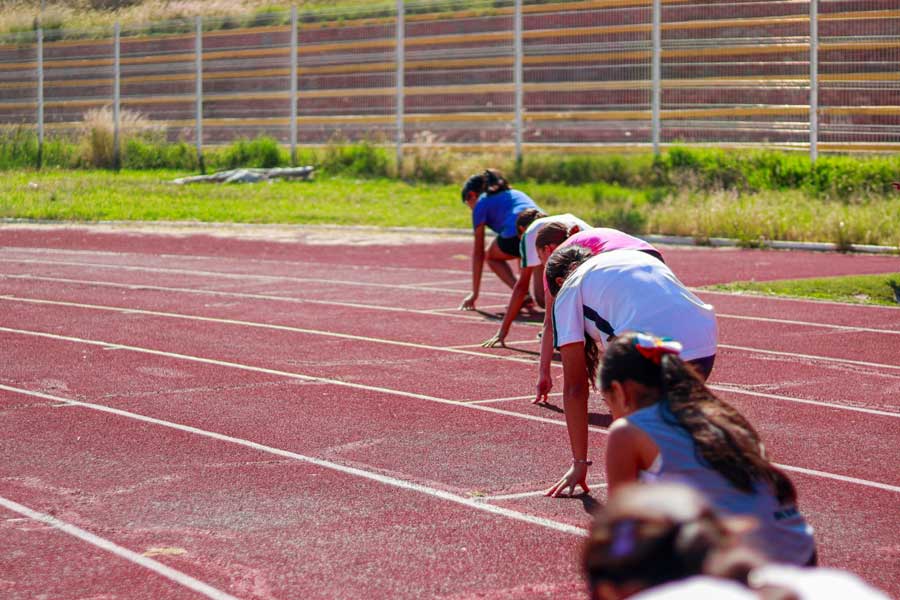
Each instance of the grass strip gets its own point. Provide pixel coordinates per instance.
(101, 195)
(856, 289)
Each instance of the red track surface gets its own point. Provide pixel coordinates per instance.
(373, 473)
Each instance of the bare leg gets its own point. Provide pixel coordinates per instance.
(537, 286)
(498, 261)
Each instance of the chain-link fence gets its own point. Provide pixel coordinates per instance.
(520, 75)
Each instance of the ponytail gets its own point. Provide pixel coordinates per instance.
(494, 182)
(490, 181)
(591, 359)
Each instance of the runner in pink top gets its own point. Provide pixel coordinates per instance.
(604, 239)
(597, 240)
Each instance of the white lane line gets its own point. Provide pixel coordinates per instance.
(531, 494)
(509, 344)
(457, 350)
(104, 544)
(241, 260)
(239, 276)
(357, 472)
(865, 482)
(480, 307)
(750, 296)
(849, 328)
(736, 389)
(347, 336)
(518, 415)
(444, 282)
(160, 288)
(449, 310)
(511, 398)
(698, 290)
(795, 355)
(359, 386)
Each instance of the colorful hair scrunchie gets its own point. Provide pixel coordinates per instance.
(653, 348)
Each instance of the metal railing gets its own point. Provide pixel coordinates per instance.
(522, 75)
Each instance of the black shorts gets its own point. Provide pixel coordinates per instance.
(509, 245)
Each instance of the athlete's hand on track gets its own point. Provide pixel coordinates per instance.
(497, 340)
(468, 302)
(575, 476)
(544, 385)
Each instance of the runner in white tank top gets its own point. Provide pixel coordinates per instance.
(605, 296)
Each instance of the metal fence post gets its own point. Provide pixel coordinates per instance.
(198, 93)
(40, 96)
(518, 78)
(656, 75)
(400, 55)
(813, 80)
(117, 147)
(294, 86)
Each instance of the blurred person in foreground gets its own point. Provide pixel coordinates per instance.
(666, 542)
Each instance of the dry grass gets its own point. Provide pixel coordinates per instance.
(96, 134)
(86, 16)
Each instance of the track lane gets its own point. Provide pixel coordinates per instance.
(786, 368)
(775, 432)
(69, 565)
(215, 500)
(751, 370)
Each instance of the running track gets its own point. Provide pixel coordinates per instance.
(189, 415)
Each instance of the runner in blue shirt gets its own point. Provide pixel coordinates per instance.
(497, 206)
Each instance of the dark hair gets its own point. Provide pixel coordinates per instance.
(561, 263)
(723, 438)
(490, 181)
(551, 234)
(527, 217)
(652, 534)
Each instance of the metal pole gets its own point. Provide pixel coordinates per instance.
(813, 80)
(401, 81)
(40, 95)
(293, 86)
(117, 147)
(656, 75)
(518, 78)
(198, 93)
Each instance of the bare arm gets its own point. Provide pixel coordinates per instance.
(628, 450)
(575, 397)
(575, 403)
(545, 377)
(477, 267)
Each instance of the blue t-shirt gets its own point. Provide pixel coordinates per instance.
(499, 211)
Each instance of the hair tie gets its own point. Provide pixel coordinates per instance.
(653, 348)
